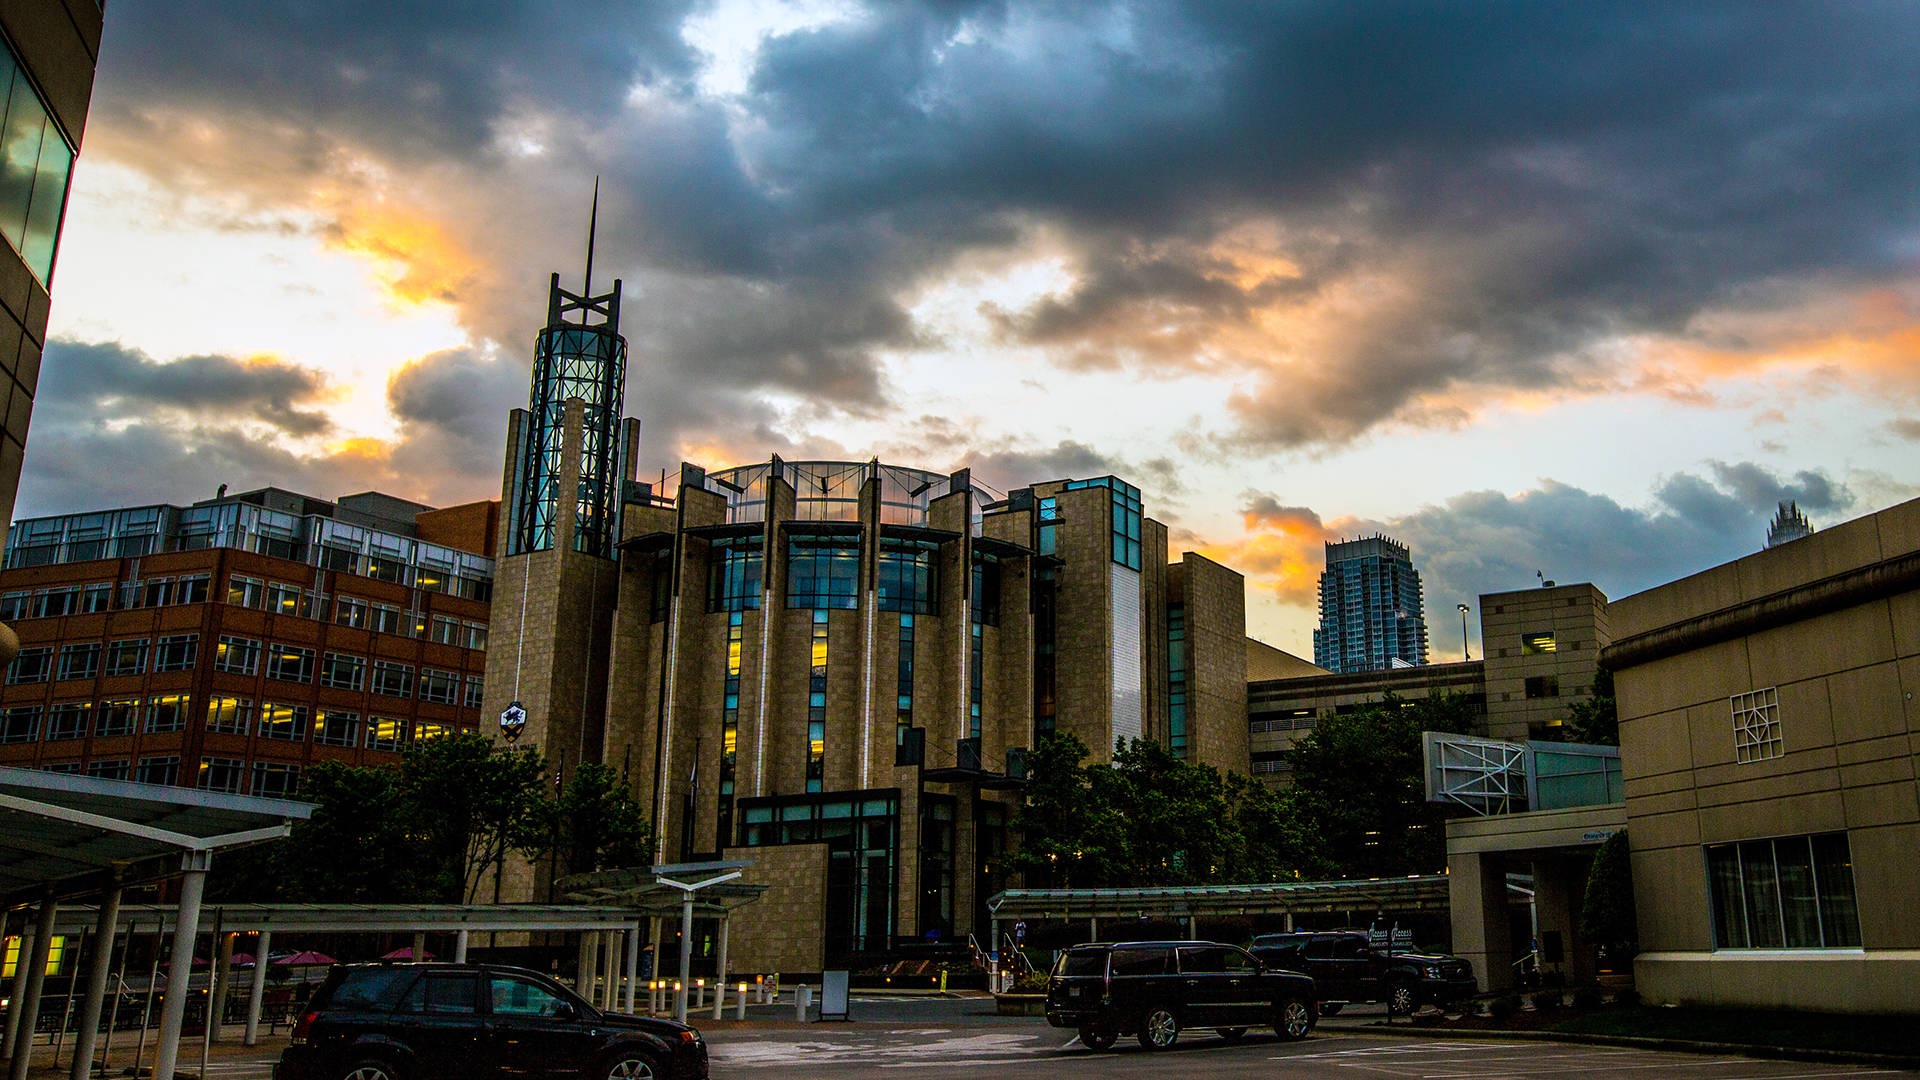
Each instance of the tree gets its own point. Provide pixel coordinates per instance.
(1606, 914)
(1359, 777)
(1070, 837)
(468, 803)
(355, 848)
(599, 825)
(1596, 718)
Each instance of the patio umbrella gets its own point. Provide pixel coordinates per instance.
(405, 954)
(241, 959)
(307, 958)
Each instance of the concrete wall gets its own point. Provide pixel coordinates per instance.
(1577, 617)
(785, 930)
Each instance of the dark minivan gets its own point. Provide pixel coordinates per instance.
(1157, 989)
(1349, 969)
(447, 1021)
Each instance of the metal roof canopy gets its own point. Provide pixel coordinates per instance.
(643, 890)
(376, 918)
(64, 835)
(1424, 893)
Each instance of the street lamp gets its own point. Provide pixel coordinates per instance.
(1466, 650)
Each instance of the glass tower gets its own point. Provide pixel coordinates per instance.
(1371, 617)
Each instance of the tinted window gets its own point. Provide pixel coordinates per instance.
(441, 994)
(1141, 961)
(1320, 948)
(1236, 962)
(518, 997)
(1350, 948)
(1083, 963)
(1213, 959)
(377, 989)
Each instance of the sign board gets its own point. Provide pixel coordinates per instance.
(513, 720)
(833, 995)
(1597, 836)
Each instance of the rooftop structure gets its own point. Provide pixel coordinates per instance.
(1788, 524)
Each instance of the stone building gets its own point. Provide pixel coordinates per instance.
(833, 667)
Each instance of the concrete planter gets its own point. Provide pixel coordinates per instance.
(1020, 1004)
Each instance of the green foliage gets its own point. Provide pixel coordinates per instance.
(355, 848)
(599, 825)
(469, 803)
(1589, 996)
(1545, 999)
(1596, 718)
(1606, 915)
(1503, 1006)
(1358, 778)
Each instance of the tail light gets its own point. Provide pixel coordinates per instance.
(301, 1029)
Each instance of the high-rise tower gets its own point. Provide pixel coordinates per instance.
(1371, 616)
(1788, 524)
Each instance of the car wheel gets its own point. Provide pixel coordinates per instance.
(1331, 1008)
(1295, 1019)
(629, 1066)
(1401, 1000)
(1159, 1030)
(1233, 1034)
(1094, 1038)
(371, 1069)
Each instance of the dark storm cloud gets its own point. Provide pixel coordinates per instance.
(92, 382)
(1536, 178)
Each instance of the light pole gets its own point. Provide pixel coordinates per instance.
(1466, 649)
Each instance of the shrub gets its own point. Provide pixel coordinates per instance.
(1472, 1007)
(1587, 997)
(1626, 996)
(1503, 1006)
(1546, 999)
(1030, 982)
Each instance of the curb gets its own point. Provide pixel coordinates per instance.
(1686, 1046)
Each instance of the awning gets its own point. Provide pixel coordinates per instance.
(1424, 893)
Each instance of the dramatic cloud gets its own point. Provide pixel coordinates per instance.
(107, 381)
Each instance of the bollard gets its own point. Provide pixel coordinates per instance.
(943, 980)
(700, 988)
(759, 989)
(802, 1001)
(740, 1008)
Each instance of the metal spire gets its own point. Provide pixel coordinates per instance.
(593, 225)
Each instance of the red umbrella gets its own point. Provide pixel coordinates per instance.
(241, 959)
(405, 954)
(308, 958)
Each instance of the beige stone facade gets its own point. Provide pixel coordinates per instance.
(1542, 647)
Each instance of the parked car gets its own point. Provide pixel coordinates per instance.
(447, 1021)
(1348, 970)
(1154, 990)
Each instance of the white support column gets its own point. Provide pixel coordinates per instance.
(257, 993)
(18, 990)
(173, 1011)
(633, 966)
(460, 946)
(720, 971)
(222, 982)
(28, 1003)
(419, 946)
(104, 929)
(583, 981)
(686, 958)
(1193, 928)
(610, 965)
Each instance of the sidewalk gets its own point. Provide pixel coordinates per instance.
(224, 1058)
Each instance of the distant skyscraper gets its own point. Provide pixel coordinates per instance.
(1371, 616)
(1788, 524)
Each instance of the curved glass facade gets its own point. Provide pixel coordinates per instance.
(830, 490)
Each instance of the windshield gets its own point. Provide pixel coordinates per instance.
(1082, 964)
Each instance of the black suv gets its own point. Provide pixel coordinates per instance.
(1349, 970)
(1156, 989)
(448, 1021)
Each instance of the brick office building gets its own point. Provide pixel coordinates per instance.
(230, 644)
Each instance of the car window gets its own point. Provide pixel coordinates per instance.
(375, 989)
(1320, 948)
(1091, 962)
(519, 997)
(1141, 961)
(1350, 948)
(1205, 960)
(1235, 962)
(441, 994)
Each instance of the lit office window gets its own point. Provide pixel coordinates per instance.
(223, 774)
(1537, 643)
(229, 715)
(287, 723)
(1793, 892)
(237, 655)
(35, 163)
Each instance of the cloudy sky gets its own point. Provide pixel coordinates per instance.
(1580, 289)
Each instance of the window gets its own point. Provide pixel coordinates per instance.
(164, 769)
(156, 592)
(817, 706)
(229, 715)
(392, 679)
(1794, 892)
(439, 686)
(53, 603)
(1123, 513)
(14, 606)
(117, 717)
(1543, 686)
(80, 661)
(290, 663)
(285, 599)
(97, 597)
(71, 768)
(662, 590)
(237, 654)
(192, 589)
(275, 780)
(1538, 643)
(20, 724)
(384, 618)
(38, 163)
(177, 652)
(518, 997)
(1177, 679)
(986, 590)
(110, 769)
(287, 723)
(69, 720)
(386, 733)
(444, 631)
(31, 666)
(1756, 726)
(350, 612)
(221, 774)
(909, 576)
(1141, 962)
(337, 728)
(733, 574)
(343, 671)
(128, 657)
(424, 731)
(243, 591)
(436, 993)
(166, 712)
(823, 572)
(474, 635)
(476, 691)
